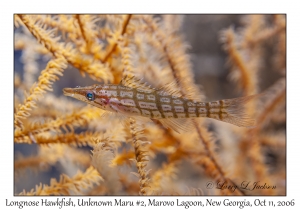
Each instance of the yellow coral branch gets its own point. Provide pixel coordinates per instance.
(123, 158)
(140, 156)
(210, 163)
(103, 154)
(66, 185)
(166, 173)
(32, 162)
(95, 69)
(114, 46)
(48, 76)
(82, 139)
(245, 81)
(83, 32)
(81, 118)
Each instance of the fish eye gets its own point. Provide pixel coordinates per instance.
(90, 96)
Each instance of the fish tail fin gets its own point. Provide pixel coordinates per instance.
(232, 111)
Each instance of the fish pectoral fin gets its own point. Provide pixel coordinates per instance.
(108, 116)
(142, 119)
(180, 125)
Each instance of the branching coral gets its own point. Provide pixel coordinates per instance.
(132, 157)
(140, 155)
(68, 186)
(48, 76)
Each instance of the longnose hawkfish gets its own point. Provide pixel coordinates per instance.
(132, 98)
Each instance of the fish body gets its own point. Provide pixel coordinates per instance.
(158, 104)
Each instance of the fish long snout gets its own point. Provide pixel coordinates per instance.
(68, 91)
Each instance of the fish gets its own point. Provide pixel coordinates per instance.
(134, 98)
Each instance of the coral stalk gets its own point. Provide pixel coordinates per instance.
(140, 156)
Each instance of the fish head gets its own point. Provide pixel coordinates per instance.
(89, 95)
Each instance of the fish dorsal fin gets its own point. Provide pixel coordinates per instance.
(191, 93)
(180, 125)
(134, 82)
(171, 88)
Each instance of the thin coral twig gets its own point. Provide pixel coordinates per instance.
(140, 156)
(48, 76)
(75, 119)
(66, 185)
(123, 31)
(96, 69)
